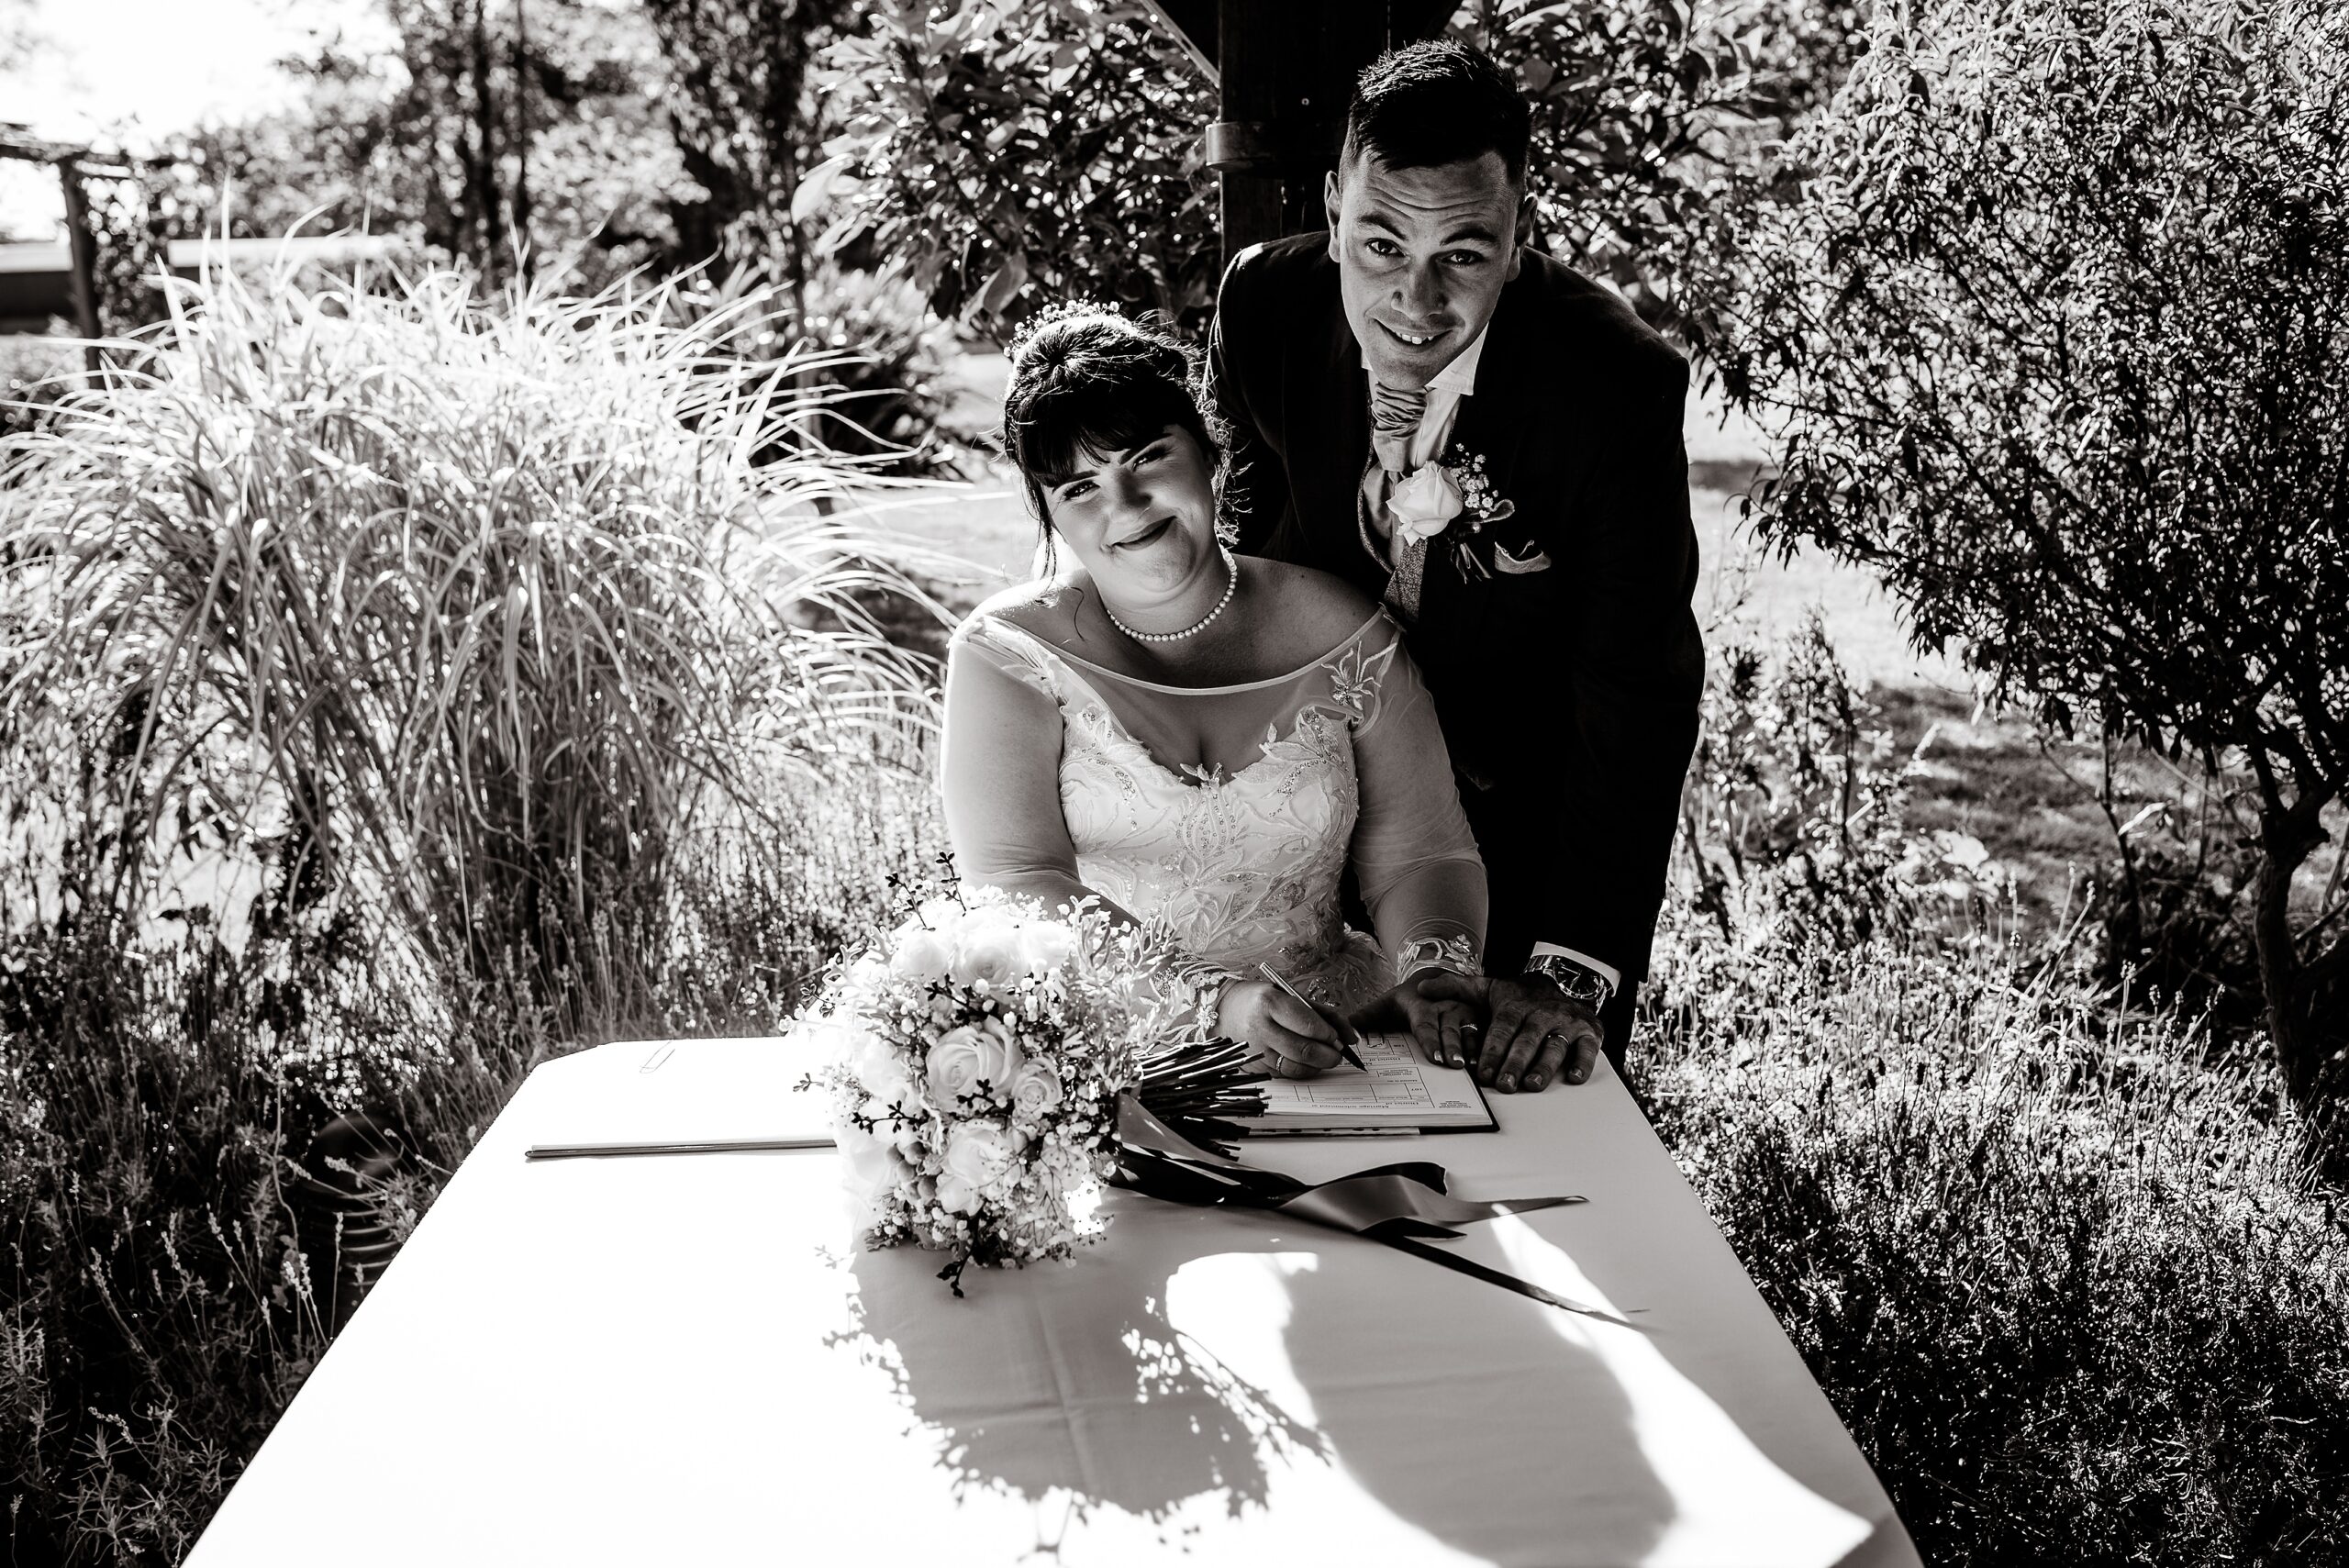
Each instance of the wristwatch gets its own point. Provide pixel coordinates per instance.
(1575, 981)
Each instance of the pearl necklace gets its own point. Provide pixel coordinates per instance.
(1231, 573)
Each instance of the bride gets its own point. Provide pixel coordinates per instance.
(1198, 738)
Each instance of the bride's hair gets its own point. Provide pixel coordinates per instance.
(1085, 378)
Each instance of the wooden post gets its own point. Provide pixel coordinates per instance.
(1285, 74)
(85, 260)
(1240, 146)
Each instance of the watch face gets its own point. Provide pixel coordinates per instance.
(1573, 981)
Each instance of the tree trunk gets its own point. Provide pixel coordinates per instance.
(2305, 1039)
(522, 133)
(485, 200)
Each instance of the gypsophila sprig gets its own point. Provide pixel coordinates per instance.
(975, 1059)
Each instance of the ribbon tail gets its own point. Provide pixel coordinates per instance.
(1493, 1208)
(1476, 1270)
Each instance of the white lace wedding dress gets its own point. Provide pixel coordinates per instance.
(1229, 812)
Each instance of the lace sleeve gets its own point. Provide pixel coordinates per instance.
(1413, 852)
(1000, 774)
(1007, 649)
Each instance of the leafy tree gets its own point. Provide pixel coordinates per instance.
(1647, 116)
(1007, 154)
(489, 129)
(21, 40)
(744, 122)
(1012, 151)
(2052, 319)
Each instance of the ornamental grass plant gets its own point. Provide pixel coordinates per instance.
(398, 687)
(489, 607)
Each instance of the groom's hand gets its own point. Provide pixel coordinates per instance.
(1442, 1027)
(1532, 1032)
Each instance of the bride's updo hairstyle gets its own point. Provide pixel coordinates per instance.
(1086, 379)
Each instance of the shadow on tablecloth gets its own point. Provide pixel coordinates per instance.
(1184, 1365)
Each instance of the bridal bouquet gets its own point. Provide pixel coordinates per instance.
(976, 1061)
(992, 1067)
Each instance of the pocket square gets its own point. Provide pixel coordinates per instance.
(1519, 565)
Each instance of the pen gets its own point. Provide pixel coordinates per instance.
(1345, 1052)
(675, 1146)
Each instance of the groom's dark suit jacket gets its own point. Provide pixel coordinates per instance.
(1568, 695)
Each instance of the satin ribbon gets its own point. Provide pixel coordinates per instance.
(1394, 1205)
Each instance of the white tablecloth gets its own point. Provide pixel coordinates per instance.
(685, 1360)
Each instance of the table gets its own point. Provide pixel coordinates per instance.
(686, 1359)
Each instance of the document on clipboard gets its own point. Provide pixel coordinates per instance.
(1399, 1091)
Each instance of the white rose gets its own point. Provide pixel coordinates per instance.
(1424, 502)
(988, 951)
(1035, 1089)
(978, 1152)
(921, 956)
(871, 1167)
(1046, 948)
(965, 1055)
(957, 1195)
(880, 1068)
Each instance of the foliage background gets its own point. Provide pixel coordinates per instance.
(2017, 1171)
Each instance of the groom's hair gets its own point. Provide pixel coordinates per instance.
(1086, 379)
(1437, 101)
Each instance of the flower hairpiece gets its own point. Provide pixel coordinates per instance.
(1059, 310)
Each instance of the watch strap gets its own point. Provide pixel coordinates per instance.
(1577, 982)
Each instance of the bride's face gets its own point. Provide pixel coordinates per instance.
(1141, 521)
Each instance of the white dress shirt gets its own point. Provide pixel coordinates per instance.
(1445, 389)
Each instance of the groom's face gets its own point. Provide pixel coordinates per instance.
(1421, 255)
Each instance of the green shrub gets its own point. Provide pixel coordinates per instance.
(1005, 161)
(2053, 1255)
(2069, 1286)
(1792, 813)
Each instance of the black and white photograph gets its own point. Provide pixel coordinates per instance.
(1107, 783)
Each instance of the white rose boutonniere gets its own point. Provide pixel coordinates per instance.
(1454, 507)
(1425, 501)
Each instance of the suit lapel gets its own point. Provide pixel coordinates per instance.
(1335, 408)
(1491, 424)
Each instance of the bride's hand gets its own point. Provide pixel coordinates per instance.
(1296, 1041)
(1444, 1028)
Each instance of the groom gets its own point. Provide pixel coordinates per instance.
(1490, 443)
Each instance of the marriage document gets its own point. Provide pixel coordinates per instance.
(1400, 1092)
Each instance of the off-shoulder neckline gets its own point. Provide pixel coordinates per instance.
(1376, 614)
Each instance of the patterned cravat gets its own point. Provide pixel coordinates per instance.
(1395, 415)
